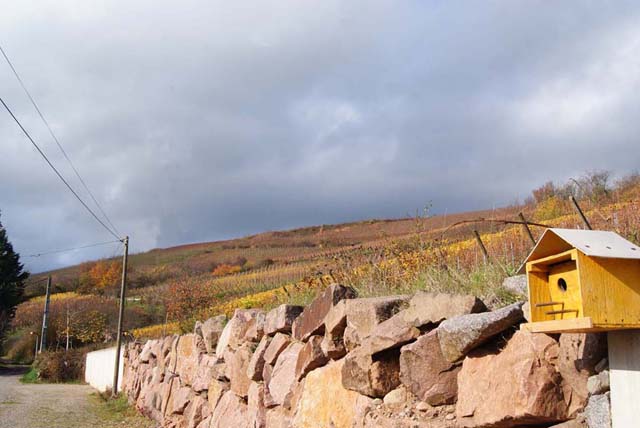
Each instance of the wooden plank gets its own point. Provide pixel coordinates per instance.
(538, 293)
(624, 374)
(574, 325)
(555, 258)
(559, 326)
(610, 290)
(537, 269)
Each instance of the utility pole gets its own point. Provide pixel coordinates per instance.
(35, 352)
(123, 289)
(45, 316)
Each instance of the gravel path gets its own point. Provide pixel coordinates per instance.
(51, 406)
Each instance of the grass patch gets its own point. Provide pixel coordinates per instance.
(30, 377)
(117, 410)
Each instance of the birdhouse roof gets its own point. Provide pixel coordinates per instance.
(593, 243)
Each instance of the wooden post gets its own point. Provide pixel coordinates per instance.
(123, 289)
(67, 345)
(525, 225)
(485, 253)
(624, 375)
(45, 316)
(580, 213)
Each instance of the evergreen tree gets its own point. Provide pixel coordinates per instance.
(12, 280)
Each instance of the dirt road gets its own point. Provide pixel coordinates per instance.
(53, 406)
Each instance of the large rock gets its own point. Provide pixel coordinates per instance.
(215, 392)
(291, 401)
(278, 344)
(256, 328)
(237, 365)
(145, 354)
(426, 373)
(255, 402)
(333, 347)
(310, 357)
(280, 319)
(245, 325)
(334, 325)
(282, 381)
(179, 399)
(599, 383)
(210, 330)
(517, 285)
(336, 319)
(518, 386)
(369, 374)
(461, 334)
(278, 418)
(579, 355)
(390, 334)
(366, 313)
(204, 373)
(173, 354)
(598, 411)
(165, 351)
(256, 364)
(427, 308)
(170, 384)
(231, 411)
(196, 411)
(325, 403)
(311, 321)
(189, 350)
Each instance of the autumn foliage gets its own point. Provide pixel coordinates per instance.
(184, 297)
(226, 269)
(100, 277)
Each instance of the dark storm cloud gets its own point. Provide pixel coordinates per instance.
(203, 120)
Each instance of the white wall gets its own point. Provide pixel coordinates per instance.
(99, 366)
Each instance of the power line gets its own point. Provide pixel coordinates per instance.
(44, 253)
(35, 105)
(56, 171)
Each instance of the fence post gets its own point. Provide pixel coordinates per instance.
(485, 253)
(525, 225)
(580, 213)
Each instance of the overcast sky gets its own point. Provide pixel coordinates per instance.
(203, 120)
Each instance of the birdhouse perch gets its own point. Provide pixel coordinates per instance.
(583, 281)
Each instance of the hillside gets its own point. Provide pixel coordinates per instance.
(308, 245)
(171, 288)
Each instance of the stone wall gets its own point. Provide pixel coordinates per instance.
(428, 360)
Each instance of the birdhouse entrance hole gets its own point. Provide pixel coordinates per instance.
(562, 284)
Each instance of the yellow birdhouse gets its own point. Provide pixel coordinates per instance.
(583, 281)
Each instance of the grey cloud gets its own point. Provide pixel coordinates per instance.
(204, 120)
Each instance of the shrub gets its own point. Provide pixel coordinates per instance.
(99, 277)
(549, 209)
(30, 377)
(226, 269)
(61, 366)
(185, 297)
(20, 346)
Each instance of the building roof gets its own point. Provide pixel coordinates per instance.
(593, 243)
